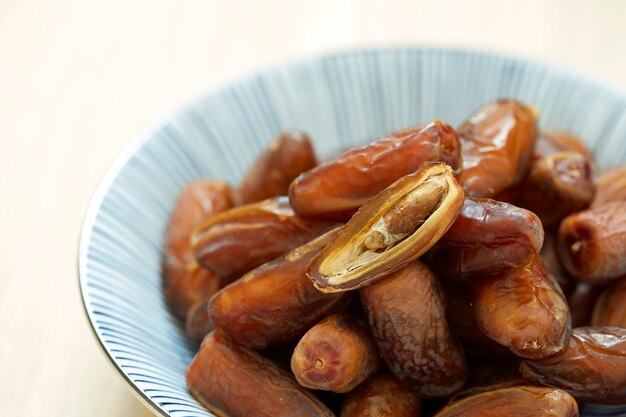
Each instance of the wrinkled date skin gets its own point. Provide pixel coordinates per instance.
(497, 142)
(184, 281)
(198, 323)
(335, 355)
(345, 183)
(592, 243)
(581, 302)
(488, 237)
(610, 187)
(592, 368)
(523, 309)
(407, 316)
(240, 239)
(234, 382)
(275, 302)
(391, 230)
(381, 396)
(557, 184)
(610, 307)
(523, 401)
(286, 157)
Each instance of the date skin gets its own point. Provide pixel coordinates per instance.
(391, 230)
(480, 388)
(592, 368)
(345, 183)
(611, 187)
(336, 355)
(497, 142)
(235, 382)
(521, 401)
(287, 156)
(240, 239)
(559, 182)
(381, 396)
(610, 307)
(592, 243)
(550, 257)
(274, 303)
(413, 334)
(553, 141)
(198, 324)
(184, 281)
(523, 309)
(488, 237)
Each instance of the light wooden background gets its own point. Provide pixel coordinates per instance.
(79, 79)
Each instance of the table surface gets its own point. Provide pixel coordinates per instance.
(80, 79)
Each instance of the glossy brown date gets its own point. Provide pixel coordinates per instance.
(592, 368)
(345, 183)
(389, 231)
(497, 142)
(381, 396)
(275, 302)
(240, 239)
(336, 354)
(592, 243)
(198, 323)
(523, 309)
(488, 237)
(236, 382)
(550, 257)
(407, 316)
(475, 389)
(610, 306)
(611, 187)
(559, 182)
(287, 156)
(553, 141)
(184, 282)
(517, 401)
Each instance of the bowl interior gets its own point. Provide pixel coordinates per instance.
(342, 100)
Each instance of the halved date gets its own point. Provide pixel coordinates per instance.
(345, 183)
(497, 142)
(336, 354)
(236, 382)
(238, 240)
(488, 237)
(391, 230)
(523, 309)
(412, 333)
(592, 368)
(516, 401)
(592, 243)
(381, 396)
(275, 302)
(287, 156)
(184, 281)
(610, 306)
(611, 187)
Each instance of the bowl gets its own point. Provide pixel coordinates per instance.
(342, 100)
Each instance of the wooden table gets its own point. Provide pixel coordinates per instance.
(79, 79)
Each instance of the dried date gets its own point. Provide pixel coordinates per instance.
(345, 183)
(381, 396)
(336, 354)
(391, 230)
(198, 323)
(592, 368)
(286, 157)
(275, 302)
(236, 382)
(413, 334)
(523, 309)
(611, 187)
(497, 142)
(610, 306)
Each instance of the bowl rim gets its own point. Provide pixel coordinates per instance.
(129, 150)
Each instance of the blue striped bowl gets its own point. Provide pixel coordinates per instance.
(342, 100)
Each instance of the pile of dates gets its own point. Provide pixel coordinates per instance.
(471, 272)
